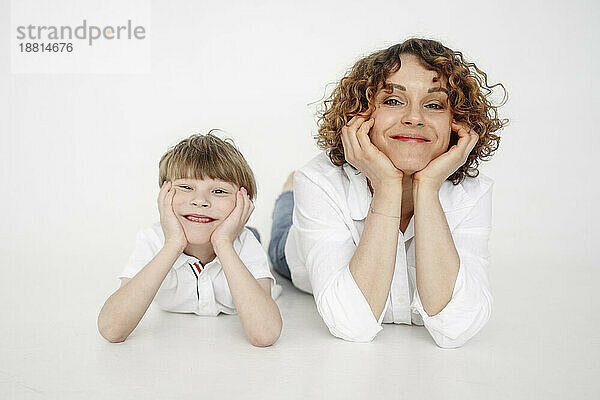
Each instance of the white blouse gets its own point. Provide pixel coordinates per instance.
(330, 207)
(191, 287)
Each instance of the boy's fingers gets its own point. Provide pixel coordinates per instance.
(161, 192)
(164, 190)
(249, 208)
(249, 212)
(247, 202)
(167, 203)
(239, 205)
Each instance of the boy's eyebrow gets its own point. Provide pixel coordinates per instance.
(431, 90)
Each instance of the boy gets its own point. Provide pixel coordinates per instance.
(200, 258)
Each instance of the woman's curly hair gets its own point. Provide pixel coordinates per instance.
(468, 89)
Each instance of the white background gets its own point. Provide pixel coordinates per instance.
(79, 159)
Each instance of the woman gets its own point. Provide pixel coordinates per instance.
(391, 223)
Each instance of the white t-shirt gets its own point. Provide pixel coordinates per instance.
(330, 207)
(191, 287)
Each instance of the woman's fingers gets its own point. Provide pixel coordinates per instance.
(352, 147)
(352, 120)
(348, 150)
(362, 135)
(468, 138)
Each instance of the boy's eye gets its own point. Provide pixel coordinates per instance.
(185, 187)
(219, 191)
(434, 106)
(392, 102)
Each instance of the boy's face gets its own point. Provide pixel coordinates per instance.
(202, 205)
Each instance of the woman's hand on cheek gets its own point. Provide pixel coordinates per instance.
(363, 155)
(441, 167)
(233, 224)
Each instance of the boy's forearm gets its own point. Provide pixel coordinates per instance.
(125, 308)
(256, 308)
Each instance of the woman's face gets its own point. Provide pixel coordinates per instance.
(412, 124)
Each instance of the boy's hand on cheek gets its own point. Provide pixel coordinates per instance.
(172, 229)
(231, 227)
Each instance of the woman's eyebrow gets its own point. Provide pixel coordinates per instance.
(399, 87)
(431, 90)
(438, 89)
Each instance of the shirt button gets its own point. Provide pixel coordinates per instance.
(400, 300)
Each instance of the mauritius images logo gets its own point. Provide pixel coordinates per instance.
(83, 32)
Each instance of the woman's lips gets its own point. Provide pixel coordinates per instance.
(410, 139)
(199, 220)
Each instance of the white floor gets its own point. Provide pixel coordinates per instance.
(535, 347)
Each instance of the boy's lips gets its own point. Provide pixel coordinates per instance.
(199, 219)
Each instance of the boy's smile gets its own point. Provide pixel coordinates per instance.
(199, 219)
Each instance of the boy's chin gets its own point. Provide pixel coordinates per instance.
(195, 238)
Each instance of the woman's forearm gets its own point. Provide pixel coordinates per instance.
(437, 260)
(124, 309)
(372, 264)
(256, 308)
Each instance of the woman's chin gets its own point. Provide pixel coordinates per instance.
(409, 167)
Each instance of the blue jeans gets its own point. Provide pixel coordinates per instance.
(282, 221)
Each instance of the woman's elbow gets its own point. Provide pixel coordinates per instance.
(457, 338)
(267, 337)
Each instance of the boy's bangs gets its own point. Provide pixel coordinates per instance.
(199, 168)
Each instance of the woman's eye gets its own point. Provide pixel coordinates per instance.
(392, 102)
(434, 106)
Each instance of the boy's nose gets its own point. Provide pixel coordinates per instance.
(201, 203)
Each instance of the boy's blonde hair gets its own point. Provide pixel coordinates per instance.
(207, 157)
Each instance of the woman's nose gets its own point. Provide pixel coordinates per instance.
(413, 116)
